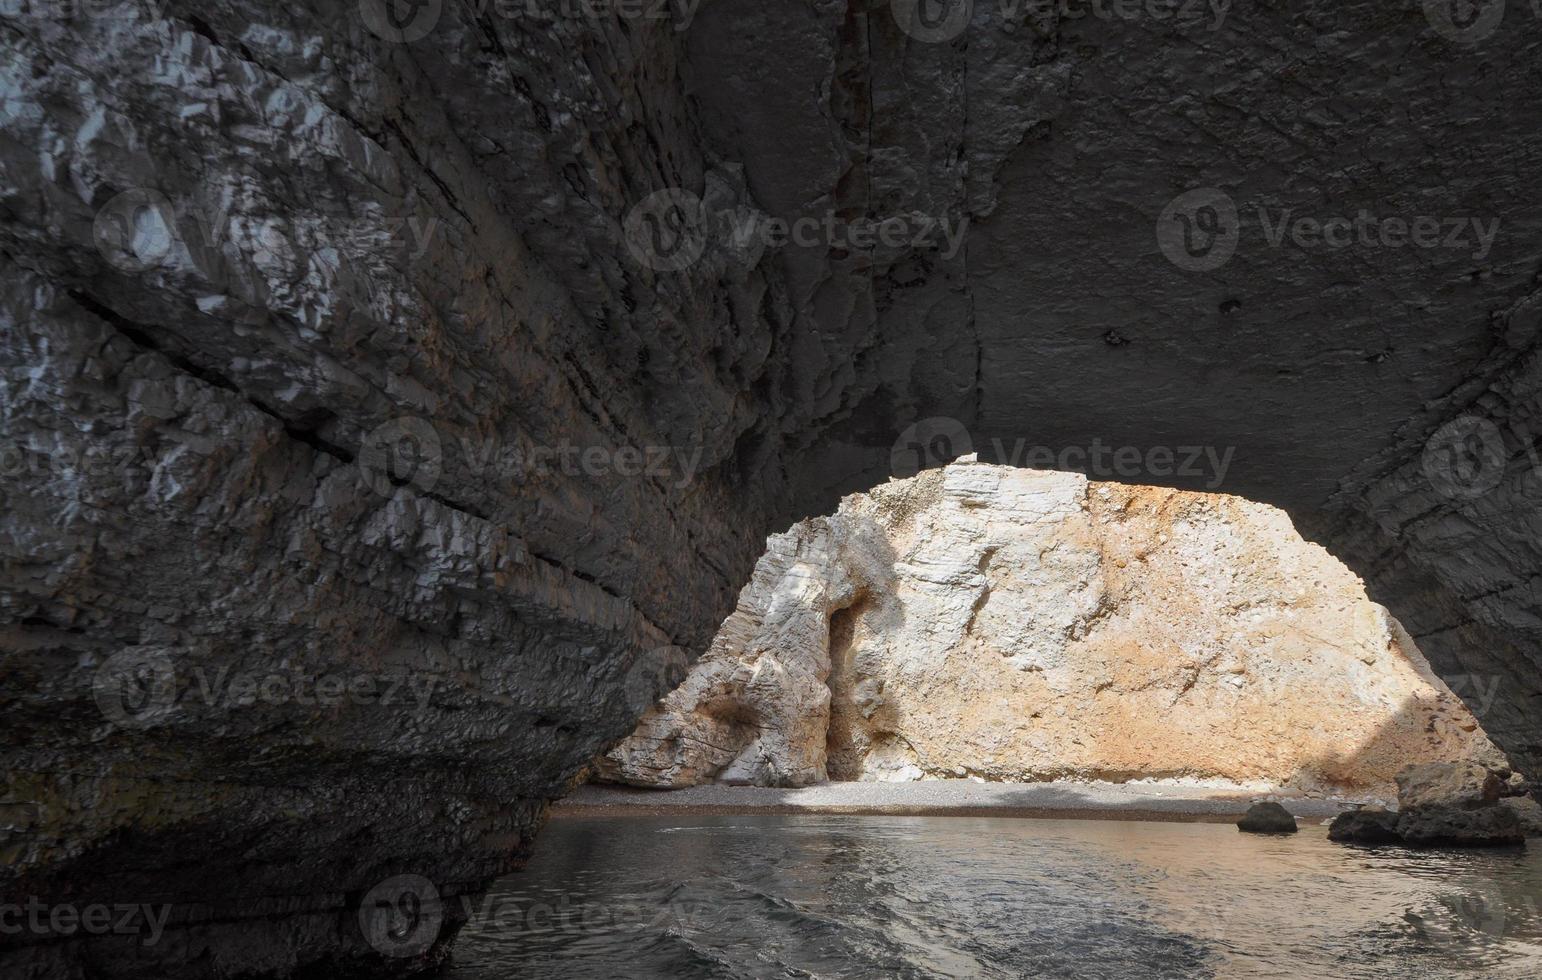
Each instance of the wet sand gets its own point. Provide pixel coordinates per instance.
(962, 798)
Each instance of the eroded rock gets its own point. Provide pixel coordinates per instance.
(1023, 625)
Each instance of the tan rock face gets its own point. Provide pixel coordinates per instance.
(1463, 785)
(1022, 625)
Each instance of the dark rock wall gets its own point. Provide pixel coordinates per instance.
(331, 358)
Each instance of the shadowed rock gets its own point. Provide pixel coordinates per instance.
(1369, 825)
(1444, 804)
(265, 259)
(1528, 812)
(1267, 818)
(1490, 826)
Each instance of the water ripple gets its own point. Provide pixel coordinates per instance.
(923, 897)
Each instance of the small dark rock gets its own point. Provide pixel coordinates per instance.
(1372, 825)
(1267, 818)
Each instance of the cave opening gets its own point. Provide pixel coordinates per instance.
(1007, 625)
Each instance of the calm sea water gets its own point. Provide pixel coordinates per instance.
(868, 897)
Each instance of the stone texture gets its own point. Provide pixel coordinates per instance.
(1025, 625)
(1455, 804)
(1369, 825)
(1528, 813)
(1489, 826)
(1445, 804)
(1267, 818)
(192, 439)
(1461, 785)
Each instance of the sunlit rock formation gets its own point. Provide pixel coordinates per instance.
(1020, 625)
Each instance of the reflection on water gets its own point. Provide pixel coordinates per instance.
(828, 896)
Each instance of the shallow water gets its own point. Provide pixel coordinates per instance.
(830, 896)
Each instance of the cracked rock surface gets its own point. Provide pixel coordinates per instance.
(328, 363)
(1019, 625)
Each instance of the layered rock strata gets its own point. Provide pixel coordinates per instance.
(1021, 625)
(253, 251)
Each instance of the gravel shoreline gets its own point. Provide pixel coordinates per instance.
(1093, 801)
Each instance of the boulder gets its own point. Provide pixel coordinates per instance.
(1019, 624)
(1371, 825)
(1449, 826)
(1528, 811)
(1516, 785)
(1267, 818)
(1450, 785)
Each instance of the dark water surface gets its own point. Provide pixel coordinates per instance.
(827, 896)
